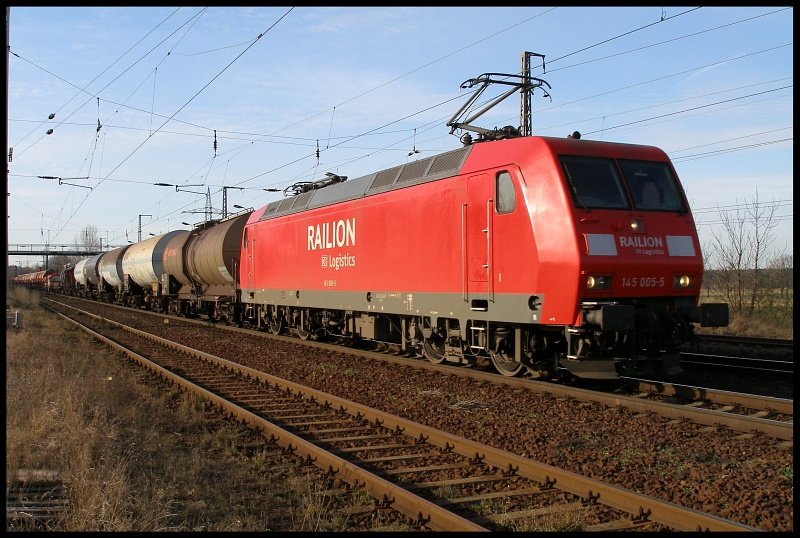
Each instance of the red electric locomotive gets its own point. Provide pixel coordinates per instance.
(533, 253)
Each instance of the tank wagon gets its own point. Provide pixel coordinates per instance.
(532, 253)
(87, 277)
(111, 278)
(206, 267)
(91, 272)
(80, 281)
(142, 267)
(174, 277)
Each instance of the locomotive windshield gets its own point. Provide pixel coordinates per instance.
(652, 186)
(596, 183)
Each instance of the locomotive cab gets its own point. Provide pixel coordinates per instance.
(641, 264)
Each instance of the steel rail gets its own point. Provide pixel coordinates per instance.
(750, 401)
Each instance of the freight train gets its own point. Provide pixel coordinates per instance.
(43, 280)
(531, 254)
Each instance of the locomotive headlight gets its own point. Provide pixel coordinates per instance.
(598, 282)
(682, 281)
(636, 225)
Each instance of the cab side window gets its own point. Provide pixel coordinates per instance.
(506, 196)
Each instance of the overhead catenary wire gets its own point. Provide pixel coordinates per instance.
(186, 104)
(363, 134)
(101, 73)
(526, 20)
(644, 47)
(584, 49)
(113, 80)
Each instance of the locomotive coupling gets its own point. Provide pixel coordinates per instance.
(711, 314)
(612, 317)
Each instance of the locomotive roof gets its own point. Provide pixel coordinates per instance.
(399, 177)
(413, 173)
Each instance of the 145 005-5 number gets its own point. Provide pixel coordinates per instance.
(643, 282)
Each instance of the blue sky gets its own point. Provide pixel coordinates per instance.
(711, 86)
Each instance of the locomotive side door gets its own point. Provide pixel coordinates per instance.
(478, 238)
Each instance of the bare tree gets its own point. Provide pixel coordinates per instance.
(89, 239)
(780, 281)
(739, 252)
(60, 260)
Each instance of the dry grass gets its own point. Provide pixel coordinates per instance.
(772, 318)
(58, 419)
(755, 326)
(134, 458)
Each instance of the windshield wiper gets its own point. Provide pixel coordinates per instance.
(574, 189)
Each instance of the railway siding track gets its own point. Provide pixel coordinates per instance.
(325, 428)
(781, 365)
(776, 343)
(34, 500)
(762, 355)
(738, 411)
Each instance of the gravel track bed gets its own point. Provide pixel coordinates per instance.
(744, 478)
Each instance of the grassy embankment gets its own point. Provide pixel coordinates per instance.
(135, 458)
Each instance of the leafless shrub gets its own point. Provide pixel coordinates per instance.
(744, 266)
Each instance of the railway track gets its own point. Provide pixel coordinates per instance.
(759, 355)
(758, 365)
(35, 499)
(741, 412)
(776, 343)
(745, 413)
(440, 481)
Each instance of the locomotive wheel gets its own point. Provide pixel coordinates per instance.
(303, 334)
(433, 349)
(276, 326)
(506, 365)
